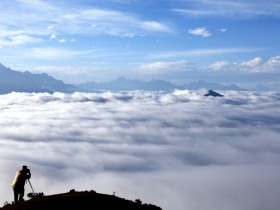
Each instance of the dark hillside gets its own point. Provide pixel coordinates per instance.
(80, 201)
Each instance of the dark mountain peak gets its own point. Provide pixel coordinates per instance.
(74, 200)
(213, 93)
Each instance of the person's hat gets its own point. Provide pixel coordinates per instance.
(24, 167)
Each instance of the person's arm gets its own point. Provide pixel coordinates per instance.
(15, 179)
(28, 174)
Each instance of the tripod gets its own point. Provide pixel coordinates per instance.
(31, 185)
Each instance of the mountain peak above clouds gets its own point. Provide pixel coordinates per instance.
(15, 81)
(213, 93)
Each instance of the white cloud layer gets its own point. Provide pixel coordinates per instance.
(257, 64)
(178, 150)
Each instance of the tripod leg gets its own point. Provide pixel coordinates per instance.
(30, 185)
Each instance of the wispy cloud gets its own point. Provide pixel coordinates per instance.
(203, 32)
(155, 26)
(65, 70)
(219, 65)
(46, 18)
(223, 30)
(51, 53)
(161, 67)
(200, 52)
(233, 9)
(15, 40)
(62, 40)
(53, 36)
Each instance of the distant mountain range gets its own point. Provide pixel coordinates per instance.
(15, 81)
(123, 84)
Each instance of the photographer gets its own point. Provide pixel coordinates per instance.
(19, 182)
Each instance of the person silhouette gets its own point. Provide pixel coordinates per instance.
(19, 182)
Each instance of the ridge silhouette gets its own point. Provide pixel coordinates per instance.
(78, 200)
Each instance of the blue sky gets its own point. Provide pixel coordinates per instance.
(233, 41)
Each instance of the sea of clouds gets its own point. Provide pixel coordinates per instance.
(178, 150)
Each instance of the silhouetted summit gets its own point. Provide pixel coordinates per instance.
(213, 93)
(78, 201)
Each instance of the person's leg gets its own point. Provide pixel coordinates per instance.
(21, 195)
(15, 195)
